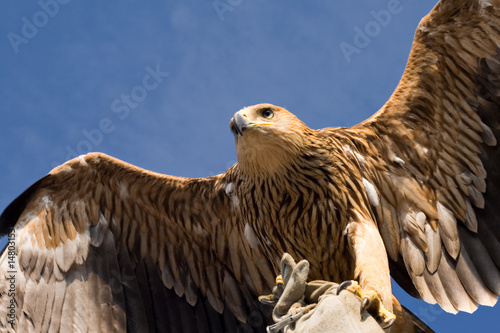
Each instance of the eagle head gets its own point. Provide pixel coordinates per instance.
(268, 138)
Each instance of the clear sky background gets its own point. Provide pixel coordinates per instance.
(74, 78)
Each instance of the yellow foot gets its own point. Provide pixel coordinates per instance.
(275, 296)
(370, 302)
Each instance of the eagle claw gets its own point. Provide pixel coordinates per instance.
(365, 304)
(370, 302)
(344, 285)
(268, 299)
(273, 298)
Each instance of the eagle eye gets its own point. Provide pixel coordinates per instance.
(267, 113)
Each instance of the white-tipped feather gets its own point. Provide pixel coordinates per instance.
(371, 192)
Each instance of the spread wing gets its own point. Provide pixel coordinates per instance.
(430, 159)
(101, 245)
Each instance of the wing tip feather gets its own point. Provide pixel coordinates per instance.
(11, 214)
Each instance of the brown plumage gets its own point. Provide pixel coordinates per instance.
(411, 192)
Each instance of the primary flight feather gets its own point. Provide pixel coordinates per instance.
(412, 192)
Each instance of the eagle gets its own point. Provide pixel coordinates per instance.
(412, 193)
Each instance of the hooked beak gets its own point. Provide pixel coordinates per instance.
(239, 124)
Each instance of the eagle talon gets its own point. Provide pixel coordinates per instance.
(268, 299)
(385, 317)
(370, 302)
(365, 305)
(273, 298)
(344, 285)
(387, 324)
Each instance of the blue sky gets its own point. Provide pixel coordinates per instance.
(156, 83)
